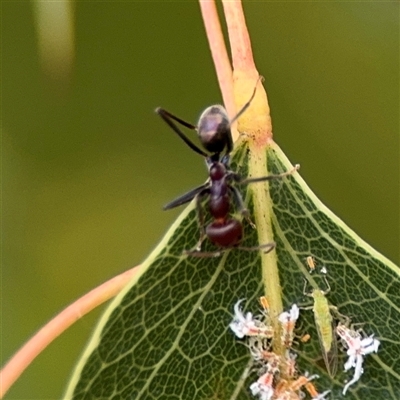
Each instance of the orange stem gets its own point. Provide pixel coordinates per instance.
(239, 39)
(34, 346)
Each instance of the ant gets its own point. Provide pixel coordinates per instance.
(214, 131)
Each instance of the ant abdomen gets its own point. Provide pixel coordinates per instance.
(226, 233)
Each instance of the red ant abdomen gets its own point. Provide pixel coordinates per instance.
(227, 233)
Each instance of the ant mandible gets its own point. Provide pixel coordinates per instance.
(214, 131)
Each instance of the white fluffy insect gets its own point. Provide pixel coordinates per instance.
(357, 348)
(288, 321)
(248, 325)
(263, 386)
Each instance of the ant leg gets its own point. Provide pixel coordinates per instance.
(185, 198)
(269, 177)
(168, 117)
(240, 205)
(269, 246)
(197, 253)
(200, 221)
(203, 254)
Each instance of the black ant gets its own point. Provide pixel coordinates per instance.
(214, 131)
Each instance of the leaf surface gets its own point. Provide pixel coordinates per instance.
(167, 337)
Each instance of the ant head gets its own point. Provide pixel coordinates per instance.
(214, 127)
(214, 130)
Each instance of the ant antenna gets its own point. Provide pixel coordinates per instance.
(168, 117)
(246, 106)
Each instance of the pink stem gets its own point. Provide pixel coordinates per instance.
(239, 39)
(31, 349)
(219, 54)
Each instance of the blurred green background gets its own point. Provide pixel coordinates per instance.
(87, 164)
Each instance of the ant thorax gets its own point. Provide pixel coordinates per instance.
(219, 201)
(217, 171)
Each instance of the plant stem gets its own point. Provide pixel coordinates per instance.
(219, 54)
(256, 125)
(34, 346)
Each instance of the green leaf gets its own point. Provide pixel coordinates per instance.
(167, 337)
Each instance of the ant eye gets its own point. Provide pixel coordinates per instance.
(214, 129)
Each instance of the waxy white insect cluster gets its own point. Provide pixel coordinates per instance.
(357, 348)
(278, 377)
